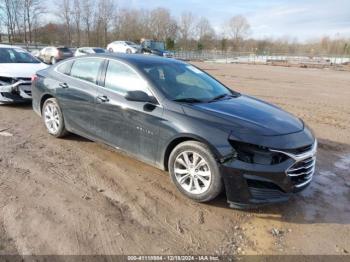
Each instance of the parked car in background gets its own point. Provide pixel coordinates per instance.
(153, 47)
(177, 117)
(35, 53)
(89, 51)
(17, 66)
(52, 55)
(127, 47)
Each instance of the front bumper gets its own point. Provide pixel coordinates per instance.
(250, 185)
(16, 92)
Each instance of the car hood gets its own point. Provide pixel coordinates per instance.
(250, 115)
(21, 69)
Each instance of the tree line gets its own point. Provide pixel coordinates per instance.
(98, 22)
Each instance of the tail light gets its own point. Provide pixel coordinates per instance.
(34, 78)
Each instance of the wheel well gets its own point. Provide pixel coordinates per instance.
(43, 99)
(171, 146)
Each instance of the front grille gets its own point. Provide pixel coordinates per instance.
(302, 171)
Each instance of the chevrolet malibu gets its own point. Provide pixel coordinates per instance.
(178, 118)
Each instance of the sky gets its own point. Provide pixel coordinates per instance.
(297, 19)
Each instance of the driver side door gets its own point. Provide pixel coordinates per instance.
(127, 125)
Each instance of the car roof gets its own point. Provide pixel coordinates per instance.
(139, 59)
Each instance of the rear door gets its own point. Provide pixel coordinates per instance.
(130, 126)
(77, 91)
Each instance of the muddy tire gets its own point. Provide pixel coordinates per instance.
(53, 118)
(195, 172)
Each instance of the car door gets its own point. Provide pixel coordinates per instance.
(77, 91)
(130, 126)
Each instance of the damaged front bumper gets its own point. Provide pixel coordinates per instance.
(249, 185)
(15, 92)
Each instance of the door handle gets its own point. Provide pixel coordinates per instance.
(63, 85)
(102, 99)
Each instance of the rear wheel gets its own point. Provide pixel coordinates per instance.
(195, 171)
(111, 50)
(53, 60)
(53, 118)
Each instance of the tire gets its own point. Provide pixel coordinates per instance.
(56, 127)
(128, 51)
(209, 182)
(111, 50)
(53, 60)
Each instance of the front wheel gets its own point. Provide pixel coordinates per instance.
(195, 171)
(53, 118)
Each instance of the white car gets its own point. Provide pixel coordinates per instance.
(123, 47)
(17, 67)
(89, 51)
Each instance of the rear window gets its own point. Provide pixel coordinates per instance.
(86, 69)
(64, 49)
(65, 67)
(99, 50)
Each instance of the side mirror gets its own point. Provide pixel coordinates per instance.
(139, 96)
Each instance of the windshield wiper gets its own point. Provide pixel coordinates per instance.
(220, 97)
(188, 100)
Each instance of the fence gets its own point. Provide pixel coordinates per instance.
(251, 58)
(307, 60)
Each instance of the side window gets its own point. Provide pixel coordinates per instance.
(65, 67)
(122, 79)
(86, 69)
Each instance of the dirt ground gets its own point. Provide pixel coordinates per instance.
(74, 196)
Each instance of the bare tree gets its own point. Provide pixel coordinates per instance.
(87, 12)
(205, 32)
(65, 13)
(162, 24)
(237, 28)
(105, 16)
(9, 19)
(76, 13)
(186, 27)
(32, 10)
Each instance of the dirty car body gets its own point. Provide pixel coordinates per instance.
(264, 154)
(17, 67)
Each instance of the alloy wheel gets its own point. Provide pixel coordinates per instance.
(52, 118)
(192, 172)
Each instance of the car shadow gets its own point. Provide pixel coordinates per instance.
(74, 137)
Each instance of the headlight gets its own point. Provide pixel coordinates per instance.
(255, 154)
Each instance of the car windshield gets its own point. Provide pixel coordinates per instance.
(130, 43)
(99, 50)
(185, 83)
(16, 55)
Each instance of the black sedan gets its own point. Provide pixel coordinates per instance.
(174, 116)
